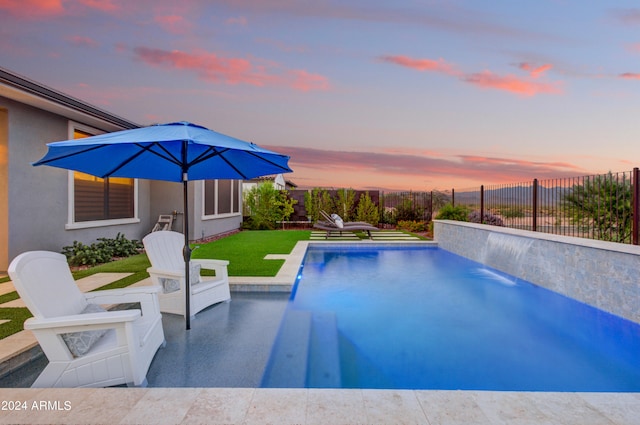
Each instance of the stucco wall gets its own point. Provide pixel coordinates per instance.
(605, 275)
(167, 197)
(38, 196)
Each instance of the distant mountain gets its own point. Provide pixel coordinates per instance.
(515, 195)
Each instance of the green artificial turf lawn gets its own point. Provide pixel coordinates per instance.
(246, 250)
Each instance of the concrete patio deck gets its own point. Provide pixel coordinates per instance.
(250, 405)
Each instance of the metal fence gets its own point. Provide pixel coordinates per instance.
(603, 207)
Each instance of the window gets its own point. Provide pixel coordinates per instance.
(221, 197)
(96, 199)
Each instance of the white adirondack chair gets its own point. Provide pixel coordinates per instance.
(164, 249)
(62, 315)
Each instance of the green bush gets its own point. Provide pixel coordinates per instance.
(367, 210)
(267, 205)
(103, 251)
(412, 225)
(449, 212)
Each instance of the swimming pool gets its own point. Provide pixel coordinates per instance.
(424, 318)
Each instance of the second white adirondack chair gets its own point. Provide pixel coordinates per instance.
(164, 249)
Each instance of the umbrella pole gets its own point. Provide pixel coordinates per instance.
(186, 251)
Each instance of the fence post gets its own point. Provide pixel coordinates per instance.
(635, 199)
(453, 197)
(431, 206)
(481, 204)
(534, 225)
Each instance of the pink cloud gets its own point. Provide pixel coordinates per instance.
(230, 70)
(83, 41)
(174, 24)
(305, 81)
(386, 166)
(630, 76)
(102, 5)
(634, 47)
(32, 8)
(439, 65)
(485, 79)
(510, 83)
(534, 71)
(38, 9)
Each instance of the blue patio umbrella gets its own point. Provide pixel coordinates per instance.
(177, 152)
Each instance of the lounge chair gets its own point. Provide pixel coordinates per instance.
(337, 220)
(164, 249)
(86, 345)
(332, 225)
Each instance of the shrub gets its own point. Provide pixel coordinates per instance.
(412, 225)
(103, 251)
(449, 212)
(266, 206)
(367, 210)
(487, 218)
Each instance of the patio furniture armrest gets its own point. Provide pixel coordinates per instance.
(220, 266)
(83, 322)
(133, 293)
(166, 272)
(146, 295)
(207, 263)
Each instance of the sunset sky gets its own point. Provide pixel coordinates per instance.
(402, 94)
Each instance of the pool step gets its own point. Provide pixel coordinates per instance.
(305, 353)
(287, 365)
(323, 370)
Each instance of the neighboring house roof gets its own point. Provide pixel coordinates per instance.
(24, 90)
(289, 183)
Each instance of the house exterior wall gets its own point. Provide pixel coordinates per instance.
(204, 227)
(601, 274)
(4, 190)
(38, 196)
(167, 197)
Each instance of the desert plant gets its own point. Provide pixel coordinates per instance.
(367, 211)
(602, 203)
(412, 225)
(317, 200)
(487, 218)
(345, 202)
(449, 212)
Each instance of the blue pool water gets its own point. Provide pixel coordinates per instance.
(424, 318)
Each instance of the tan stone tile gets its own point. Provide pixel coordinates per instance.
(277, 406)
(393, 406)
(220, 406)
(162, 406)
(567, 408)
(97, 280)
(620, 408)
(6, 288)
(451, 407)
(106, 405)
(46, 406)
(14, 304)
(335, 406)
(512, 408)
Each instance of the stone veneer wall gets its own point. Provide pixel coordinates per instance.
(605, 275)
